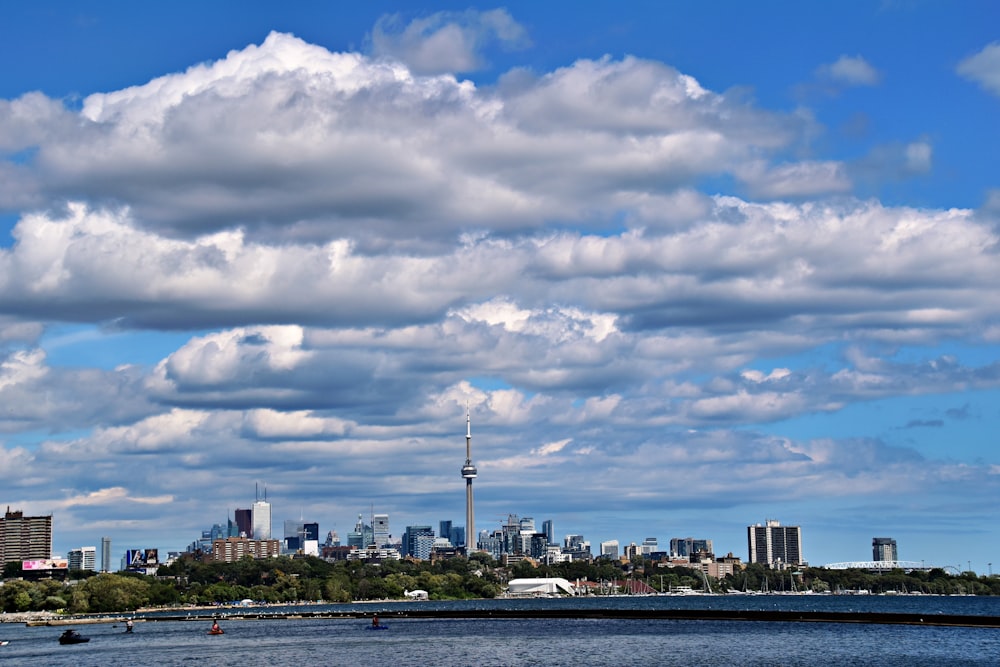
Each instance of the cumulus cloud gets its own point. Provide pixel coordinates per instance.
(446, 41)
(288, 141)
(983, 68)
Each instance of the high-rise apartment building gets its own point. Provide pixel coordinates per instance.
(775, 545)
(609, 549)
(884, 549)
(25, 537)
(550, 533)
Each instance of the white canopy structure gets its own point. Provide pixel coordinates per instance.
(540, 586)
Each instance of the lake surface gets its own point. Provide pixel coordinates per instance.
(556, 642)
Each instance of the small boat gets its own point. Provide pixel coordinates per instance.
(72, 637)
(378, 627)
(4, 642)
(216, 631)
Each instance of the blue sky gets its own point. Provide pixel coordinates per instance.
(692, 266)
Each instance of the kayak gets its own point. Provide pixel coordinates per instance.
(378, 627)
(217, 632)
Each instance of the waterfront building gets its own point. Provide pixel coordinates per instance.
(233, 549)
(84, 558)
(105, 554)
(775, 545)
(884, 549)
(25, 537)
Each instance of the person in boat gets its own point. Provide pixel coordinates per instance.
(375, 621)
(215, 626)
(128, 625)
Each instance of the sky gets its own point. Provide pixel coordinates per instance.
(689, 266)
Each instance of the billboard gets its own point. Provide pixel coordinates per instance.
(141, 558)
(45, 564)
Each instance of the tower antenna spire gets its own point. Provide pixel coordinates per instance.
(469, 473)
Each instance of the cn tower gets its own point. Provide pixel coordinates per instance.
(469, 473)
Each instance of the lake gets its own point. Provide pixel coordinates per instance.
(555, 642)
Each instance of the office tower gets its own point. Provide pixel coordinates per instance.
(25, 537)
(292, 537)
(444, 530)
(380, 529)
(332, 539)
(105, 554)
(244, 523)
(469, 473)
(609, 549)
(418, 542)
(84, 558)
(773, 544)
(650, 545)
(261, 514)
(550, 534)
(361, 536)
(884, 549)
(686, 547)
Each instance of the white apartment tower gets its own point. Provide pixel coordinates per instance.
(775, 545)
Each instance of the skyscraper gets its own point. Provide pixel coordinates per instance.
(244, 523)
(105, 554)
(774, 544)
(469, 473)
(261, 513)
(884, 548)
(380, 529)
(25, 537)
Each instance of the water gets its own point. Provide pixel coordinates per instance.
(554, 642)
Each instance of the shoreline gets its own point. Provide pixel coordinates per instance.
(235, 614)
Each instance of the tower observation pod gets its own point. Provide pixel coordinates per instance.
(469, 473)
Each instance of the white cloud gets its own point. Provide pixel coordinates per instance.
(446, 41)
(983, 68)
(851, 71)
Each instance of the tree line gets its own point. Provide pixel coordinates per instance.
(189, 581)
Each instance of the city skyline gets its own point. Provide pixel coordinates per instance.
(687, 267)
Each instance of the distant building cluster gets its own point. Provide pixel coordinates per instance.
(249, 534)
